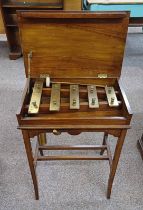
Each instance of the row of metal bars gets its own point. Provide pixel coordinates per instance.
(74, 97)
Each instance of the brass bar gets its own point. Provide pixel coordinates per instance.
(44, 158)
(92, 96)
(55, 97)
(36, 97)
(42, 139)
(73, 147)
(74, 97)
(111, 96)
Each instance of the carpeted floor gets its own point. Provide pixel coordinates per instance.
(70, 185)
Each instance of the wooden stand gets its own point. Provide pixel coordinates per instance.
(39, 156)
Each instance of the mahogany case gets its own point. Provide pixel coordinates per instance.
(74, 47)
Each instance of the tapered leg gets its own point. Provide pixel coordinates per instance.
(115, 161)
(104, 141)
(28, 149)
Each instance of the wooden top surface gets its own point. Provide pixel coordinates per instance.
(73, 44)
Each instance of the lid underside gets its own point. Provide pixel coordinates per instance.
(73, 44)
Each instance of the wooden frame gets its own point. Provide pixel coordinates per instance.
(112, 161)
(109, 120)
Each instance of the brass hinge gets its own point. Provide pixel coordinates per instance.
(102, 75)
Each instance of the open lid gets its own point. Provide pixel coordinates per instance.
(73, 44)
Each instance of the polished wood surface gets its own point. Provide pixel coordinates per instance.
(74, 47)
(79, 65)
(8, 10)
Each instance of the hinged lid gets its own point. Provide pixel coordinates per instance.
(73, 44)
